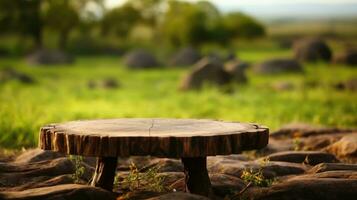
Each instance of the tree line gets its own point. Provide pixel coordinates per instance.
(172, 22)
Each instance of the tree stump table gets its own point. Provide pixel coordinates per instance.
(192, 140)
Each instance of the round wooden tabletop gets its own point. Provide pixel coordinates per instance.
(155, 137)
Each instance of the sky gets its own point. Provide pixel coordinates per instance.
(283, 8)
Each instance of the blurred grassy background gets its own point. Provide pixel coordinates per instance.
(97, 36)
(61, 93)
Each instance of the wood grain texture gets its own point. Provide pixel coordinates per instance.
(157, 137)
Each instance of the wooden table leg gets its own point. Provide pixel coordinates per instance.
(196, 176)
(105, 172)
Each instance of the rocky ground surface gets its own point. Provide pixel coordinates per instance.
(300, 162)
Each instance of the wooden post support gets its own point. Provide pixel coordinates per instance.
(105, 172)
(196, 176)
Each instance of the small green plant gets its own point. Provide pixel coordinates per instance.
(78, 168)
(137, 179)
(256, 177)
(297, 144)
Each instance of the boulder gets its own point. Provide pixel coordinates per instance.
(223, 185)
(20, 173)
(343, 174)
(41, 181)
(107, 83)
(294, 130)
(311, 50)
(207, 70)
(65, 191)
(319, 142)
(140, 59)
(37, 155)
(215, 55)
(185, 57)
(4, 52)
(270, 169)
(8, 74)
(346, 146)
(165, 164)
(236, 69)
(230, 56)
(307, 157)
(179, 195)
(350, 84)
(275, 66)
(49, 57)
(283, 86)
(308, 189)
(323, 167)
(348, 57)
(110, 83)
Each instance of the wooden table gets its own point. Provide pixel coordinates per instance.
(192, 140)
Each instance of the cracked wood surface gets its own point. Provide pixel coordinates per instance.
(155, 137)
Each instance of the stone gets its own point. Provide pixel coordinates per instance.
(312, 50)
(277, 146)
(110, 83)
(307, 157)
(21, 173)
(107, 83)
(343, 174)
(269, 169)
(236, 69)
(323, 167)
(41, 181)
(165, 164)
(8, 74)
(283, 86)
(205, 71)
(64, 191)
(231, 56)
(49, 57)
(298, 130)
(140, 59)
(215, 56)
(307, 188)
(350, 84)
(139, 161)
(37, 155)
(185, 57)
(223, 185)
(285, 43)
(4, 52)
(179, 195)
(346, 146)
(278, 65)
(348, 57)
(318, 142)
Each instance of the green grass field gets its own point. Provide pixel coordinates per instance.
(61, 94)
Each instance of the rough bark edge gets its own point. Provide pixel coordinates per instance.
(175, 147)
